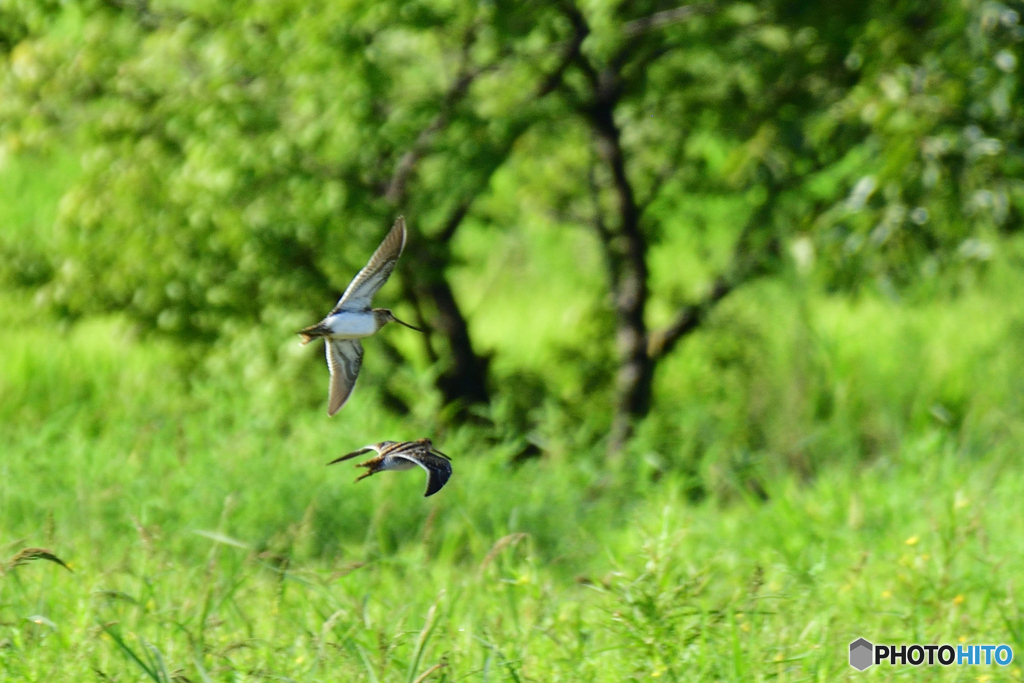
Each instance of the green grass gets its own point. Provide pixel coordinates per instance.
(816, 470)
(208, 541)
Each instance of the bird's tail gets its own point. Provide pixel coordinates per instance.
(314, 331)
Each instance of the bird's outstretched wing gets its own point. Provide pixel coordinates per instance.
(344, 358)
(438, 469)
(359, 293)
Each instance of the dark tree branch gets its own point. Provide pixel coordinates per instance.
(396, 192)
(569, 54)
(635, 38)
(659, 19)
(748, 262)
(465, 381)
(140, 8)
(601, 228)
(548, 85)
(623, 240)
(451, 225)
(661, 342)
(627, 254)
(396, 188)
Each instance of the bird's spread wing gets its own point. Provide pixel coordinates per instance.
(344, 358)
(364, 285)
(438, 469)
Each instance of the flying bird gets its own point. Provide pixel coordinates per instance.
(404, 455)
(352, 318)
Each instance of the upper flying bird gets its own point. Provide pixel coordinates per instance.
(404, 455)
(352, 318)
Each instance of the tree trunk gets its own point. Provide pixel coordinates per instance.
(465, 380)
(635, 374)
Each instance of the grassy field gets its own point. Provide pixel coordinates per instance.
(817, 470)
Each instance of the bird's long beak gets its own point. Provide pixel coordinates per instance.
(346, 457)
(411, 327)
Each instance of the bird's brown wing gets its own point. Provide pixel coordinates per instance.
(344, 358)
(359, 293)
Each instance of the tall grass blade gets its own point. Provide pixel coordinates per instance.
(501, 544)
(421, 644)
(218, 537)
(197, 661)
(737, 648)
(159, 665)
(130, 653)
(370, 673)
(426, 674)
(492, 651)
(31, 554)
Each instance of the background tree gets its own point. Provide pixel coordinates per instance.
(240, 160)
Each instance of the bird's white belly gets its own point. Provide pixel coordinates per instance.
(351, 324)
(397, 464)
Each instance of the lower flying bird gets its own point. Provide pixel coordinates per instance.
(352, 318)
(404, 455)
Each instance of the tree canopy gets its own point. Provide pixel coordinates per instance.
(241, 159)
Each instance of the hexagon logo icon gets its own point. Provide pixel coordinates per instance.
(861, 654)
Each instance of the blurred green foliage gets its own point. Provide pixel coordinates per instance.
(240, 159)
(225, 168)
